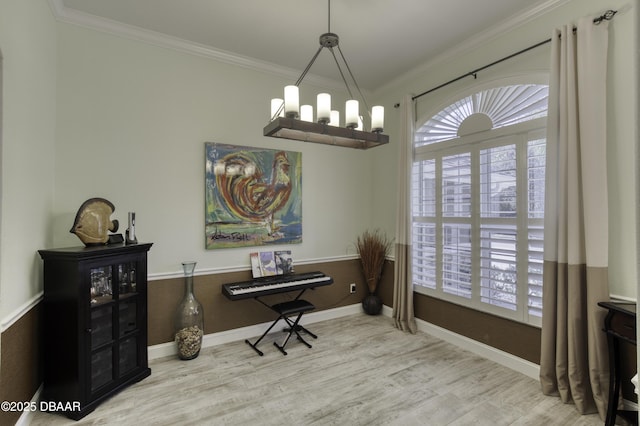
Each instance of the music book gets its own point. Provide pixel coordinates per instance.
(284, 261)
(269, 263)
(256, 272)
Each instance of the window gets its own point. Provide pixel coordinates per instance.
(478, 202)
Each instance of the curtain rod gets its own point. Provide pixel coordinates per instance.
(607, 16)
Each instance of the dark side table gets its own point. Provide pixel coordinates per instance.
(620, 326)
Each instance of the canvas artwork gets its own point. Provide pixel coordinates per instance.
(253, 196)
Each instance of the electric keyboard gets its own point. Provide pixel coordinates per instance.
(275, 284)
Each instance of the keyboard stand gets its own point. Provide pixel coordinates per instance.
(285, 310)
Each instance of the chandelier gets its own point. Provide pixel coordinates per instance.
(290, 120)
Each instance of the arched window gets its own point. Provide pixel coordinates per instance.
(478, 201)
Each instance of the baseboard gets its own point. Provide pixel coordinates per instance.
(503, 358)
(214, 339)
(506, 359)
(26, 417)
(513, 362)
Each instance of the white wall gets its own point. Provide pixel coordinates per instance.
(28, 45)
(621, 103)
(132, 122)
(129, 121)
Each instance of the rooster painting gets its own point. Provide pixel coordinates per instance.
(244, 189)
(253, 196)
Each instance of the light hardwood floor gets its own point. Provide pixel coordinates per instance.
(360, 371)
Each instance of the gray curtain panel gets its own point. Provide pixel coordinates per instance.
(574, 358)
(403, 287)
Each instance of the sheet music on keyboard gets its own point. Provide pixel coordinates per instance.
(275, 284)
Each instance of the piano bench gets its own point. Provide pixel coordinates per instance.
(293, 307)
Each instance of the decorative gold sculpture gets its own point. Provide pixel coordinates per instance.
(93, 223)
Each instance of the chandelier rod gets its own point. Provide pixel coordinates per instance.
(353, 78)
(355, 82)
(340, 70)
(309, 65)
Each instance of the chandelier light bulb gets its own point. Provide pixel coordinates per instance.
(306, 113)
(291, 101)
(351, 113)
(377, 118)
(277, 108)
(324, 108)
(335, 118)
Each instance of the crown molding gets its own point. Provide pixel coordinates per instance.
(75, 17)
(476, 40)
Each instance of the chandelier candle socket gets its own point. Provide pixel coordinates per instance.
(326, 129)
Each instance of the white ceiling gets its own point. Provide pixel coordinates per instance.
(381, 39)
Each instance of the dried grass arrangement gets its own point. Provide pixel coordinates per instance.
(373, 247)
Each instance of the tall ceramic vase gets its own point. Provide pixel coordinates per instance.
(189, 320)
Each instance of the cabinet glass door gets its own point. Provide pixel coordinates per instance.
(128, 312)
(128, 359)
(101, 285)
(127, 285)
(101, 368)
(101, 326)
(102, 329)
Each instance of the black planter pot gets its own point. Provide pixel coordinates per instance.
(372, 304)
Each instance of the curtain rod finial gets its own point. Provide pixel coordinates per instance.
(607, 16)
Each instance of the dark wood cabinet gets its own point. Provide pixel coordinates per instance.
(95, 324)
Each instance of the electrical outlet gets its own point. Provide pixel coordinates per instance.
(352, 288)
